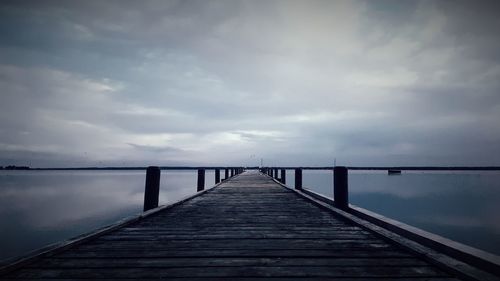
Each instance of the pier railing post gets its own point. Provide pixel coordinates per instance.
(232, 172)
(340, 187)
(276, 173)
(283, 176)
(226, 174)
(217, 176)
(152, 188)
(298, 178)
(201, 180)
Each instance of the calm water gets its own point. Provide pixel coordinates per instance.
(42, 207)
(38, 208)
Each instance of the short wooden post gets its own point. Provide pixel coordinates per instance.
(276, 173)
(283, 176)
(217, 176)
(340, 187)
(226, 174)
(152, 189)
(232, 172)
(298, 178)
(201, 180)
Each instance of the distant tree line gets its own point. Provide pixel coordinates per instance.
(12, 167)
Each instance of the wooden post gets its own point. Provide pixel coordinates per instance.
(152, 189)
(201, 180)
(226, 174)
(276, 173)
(217, 176)
(298, 178)
(232, 172)
(340, 187)
(283, 176)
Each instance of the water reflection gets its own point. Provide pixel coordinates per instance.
(41, 207)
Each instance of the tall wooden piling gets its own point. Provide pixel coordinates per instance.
(152, 188)
(340, 187)
(283, 176)
(201, 180)
(298, 178)
(217, 176)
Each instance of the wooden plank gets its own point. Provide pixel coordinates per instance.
(251, 279)
(227, 261)
(233, 271)
(153, 253)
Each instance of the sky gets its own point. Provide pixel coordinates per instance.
(127, 83)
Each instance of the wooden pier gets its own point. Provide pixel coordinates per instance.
(249, 227)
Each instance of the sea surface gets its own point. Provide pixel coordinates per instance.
(38, 208)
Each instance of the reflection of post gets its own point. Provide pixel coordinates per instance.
(298, 178)
(283, 176)
(340, 191)
(217, 176)
(201, 179)
(152, 188)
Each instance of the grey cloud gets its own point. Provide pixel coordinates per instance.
(385, 82)
(156, 149)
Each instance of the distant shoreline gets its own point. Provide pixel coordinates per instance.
(366, 168)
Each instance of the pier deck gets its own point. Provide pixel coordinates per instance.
(247, 228)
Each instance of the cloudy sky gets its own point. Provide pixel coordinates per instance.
(122, 83)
